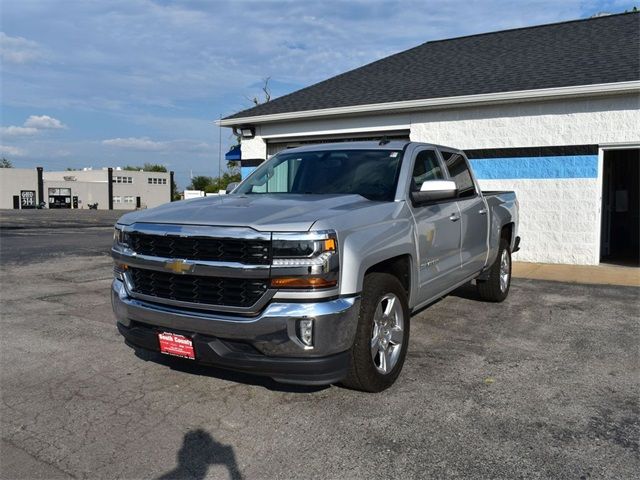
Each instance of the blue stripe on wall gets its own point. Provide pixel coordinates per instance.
(573, 166)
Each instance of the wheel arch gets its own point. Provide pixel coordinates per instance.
(400, 266)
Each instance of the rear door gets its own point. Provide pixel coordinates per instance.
(437, 230)
(474, 214)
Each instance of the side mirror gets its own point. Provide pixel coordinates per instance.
(231, 187)
(434, 190)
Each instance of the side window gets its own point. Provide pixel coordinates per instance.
(459, 173)
(425, 168)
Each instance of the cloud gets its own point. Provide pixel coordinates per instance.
(43, 122)
(147, 145)
(13, 131)
(32, 126)
(17, 49)
(12, 151)
(133, 143)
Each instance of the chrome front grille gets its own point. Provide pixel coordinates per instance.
(241, 250)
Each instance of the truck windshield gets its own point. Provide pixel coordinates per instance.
(370, 173)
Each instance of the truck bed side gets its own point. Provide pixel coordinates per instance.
(503, 211)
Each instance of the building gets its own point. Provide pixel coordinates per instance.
(110, 189)
(550, 111)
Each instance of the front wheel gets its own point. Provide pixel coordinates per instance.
(496, 287)
(382, 335)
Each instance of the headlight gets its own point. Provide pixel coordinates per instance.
(302, 248)
(120, 238)
(120, 241)
(305, 260)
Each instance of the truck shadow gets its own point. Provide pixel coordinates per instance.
(198, 452)
(467, 291)
(192, 368)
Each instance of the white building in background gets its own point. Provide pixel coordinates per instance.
(551, 111)
(111, 189)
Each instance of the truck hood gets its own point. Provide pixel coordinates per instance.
(262, 212)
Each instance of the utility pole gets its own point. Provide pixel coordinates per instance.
(220, 149)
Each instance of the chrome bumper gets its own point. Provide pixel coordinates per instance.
(273, 332)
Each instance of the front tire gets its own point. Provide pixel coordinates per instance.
(382, 335)
(496, 287)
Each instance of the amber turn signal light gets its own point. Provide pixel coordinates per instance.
(302, 282)
(329, 245)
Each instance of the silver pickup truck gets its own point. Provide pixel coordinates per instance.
(310, 270)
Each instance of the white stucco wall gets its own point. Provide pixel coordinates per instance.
(86, 191)
(151, 194)
(253, 148)
(559, 219)
(13, 180)
(561, 122)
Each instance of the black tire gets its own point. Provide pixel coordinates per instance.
(490, 289)
(363, 374)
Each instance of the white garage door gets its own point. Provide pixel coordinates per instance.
(276, 145)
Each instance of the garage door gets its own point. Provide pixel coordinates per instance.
(276, 145)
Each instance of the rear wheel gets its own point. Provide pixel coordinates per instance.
(382, 335)
(496, 287)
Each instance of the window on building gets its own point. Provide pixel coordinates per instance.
(129, 199)
(120, 179)
(117, 199)
(459, 173)
(425, 168)
(157, 181)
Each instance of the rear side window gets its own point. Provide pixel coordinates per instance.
(459, 173)
(425, 168)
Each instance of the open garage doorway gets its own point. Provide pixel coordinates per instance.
(621, 207)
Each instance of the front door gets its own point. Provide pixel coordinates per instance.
(474, 223)
(621, 207)
(437, 232)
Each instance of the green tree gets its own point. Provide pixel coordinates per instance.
(213, 184)
(200, 182)
(5, 163)
(147, 167)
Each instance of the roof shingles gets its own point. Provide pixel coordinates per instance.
(582, 52)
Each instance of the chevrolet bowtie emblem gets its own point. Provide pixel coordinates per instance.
(178, 266)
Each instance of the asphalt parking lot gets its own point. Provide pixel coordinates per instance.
(545, 385)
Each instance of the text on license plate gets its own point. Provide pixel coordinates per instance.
(177, 345)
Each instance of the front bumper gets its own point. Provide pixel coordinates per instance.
(267, 344)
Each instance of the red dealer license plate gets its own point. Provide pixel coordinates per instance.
(176, 345)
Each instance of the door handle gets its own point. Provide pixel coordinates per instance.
(454, 218)
(482, 211)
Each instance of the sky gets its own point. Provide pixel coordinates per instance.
(96, 83)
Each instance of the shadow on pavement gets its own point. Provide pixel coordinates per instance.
(198, 452)
(192, 368)
(467, 291)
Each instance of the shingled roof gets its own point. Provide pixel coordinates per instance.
(581, 52)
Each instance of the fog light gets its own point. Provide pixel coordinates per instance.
(306, 331)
